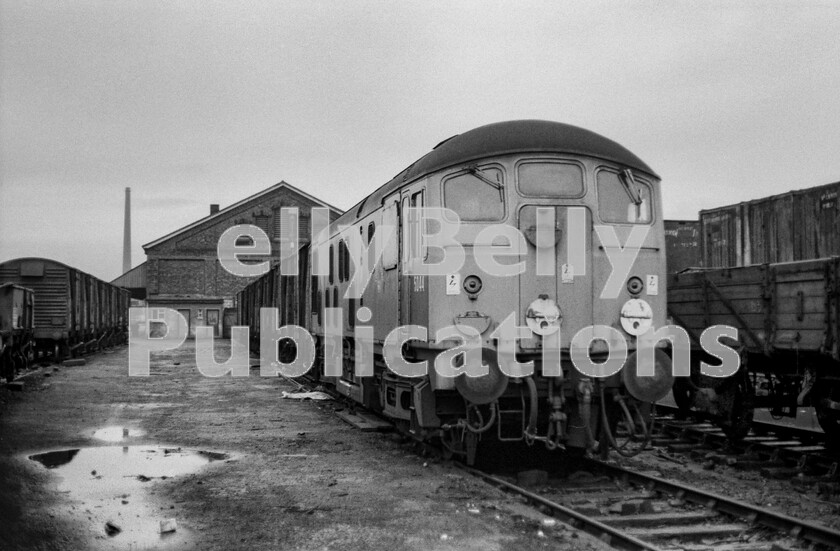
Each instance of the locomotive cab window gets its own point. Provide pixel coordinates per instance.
(476, 194)
(550, 179)
(623, 198)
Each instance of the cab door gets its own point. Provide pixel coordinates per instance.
(569, 236)
(554, 214)
(413, 288)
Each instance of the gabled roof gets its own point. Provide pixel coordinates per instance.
(226, 210)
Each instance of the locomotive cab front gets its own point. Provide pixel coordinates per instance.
(584, 271)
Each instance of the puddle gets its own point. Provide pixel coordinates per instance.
(117, 434)
(111, 486)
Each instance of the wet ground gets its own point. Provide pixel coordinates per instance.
(93, 459)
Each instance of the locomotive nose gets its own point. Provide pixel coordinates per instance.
(651, 388)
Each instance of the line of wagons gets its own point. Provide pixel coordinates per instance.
(49, 309)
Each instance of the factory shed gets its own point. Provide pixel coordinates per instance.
(183, 271)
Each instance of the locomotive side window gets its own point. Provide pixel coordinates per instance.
(389, 219)
(550, 179)
(623, 199)
(332, 263)
(416, 246)
(476, 194)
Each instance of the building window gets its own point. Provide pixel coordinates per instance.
(263, 221)
(277, 223)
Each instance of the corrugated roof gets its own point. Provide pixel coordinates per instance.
(135, 278)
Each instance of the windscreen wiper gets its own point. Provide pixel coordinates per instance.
(630, 187)
(478, 173)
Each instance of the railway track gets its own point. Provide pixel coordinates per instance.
(776, 451)
(633, 510)
(636, 511)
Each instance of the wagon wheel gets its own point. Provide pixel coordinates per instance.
(288, 351)
(827, 406)
(7, 365)
(19, 361)
(735, 403)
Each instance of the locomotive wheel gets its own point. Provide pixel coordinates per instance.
(827, 406)
(452, 443)
(735, 402)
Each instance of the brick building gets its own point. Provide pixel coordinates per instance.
(182, 269)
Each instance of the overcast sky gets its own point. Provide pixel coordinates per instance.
(192, 103)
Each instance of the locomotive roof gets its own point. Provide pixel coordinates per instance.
(502, 138)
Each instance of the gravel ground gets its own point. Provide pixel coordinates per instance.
(281, 474)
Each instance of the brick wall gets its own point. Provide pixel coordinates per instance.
(187, 264)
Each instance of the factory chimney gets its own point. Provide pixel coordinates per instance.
(127, 232)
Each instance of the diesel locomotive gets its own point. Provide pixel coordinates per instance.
(577, 200)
